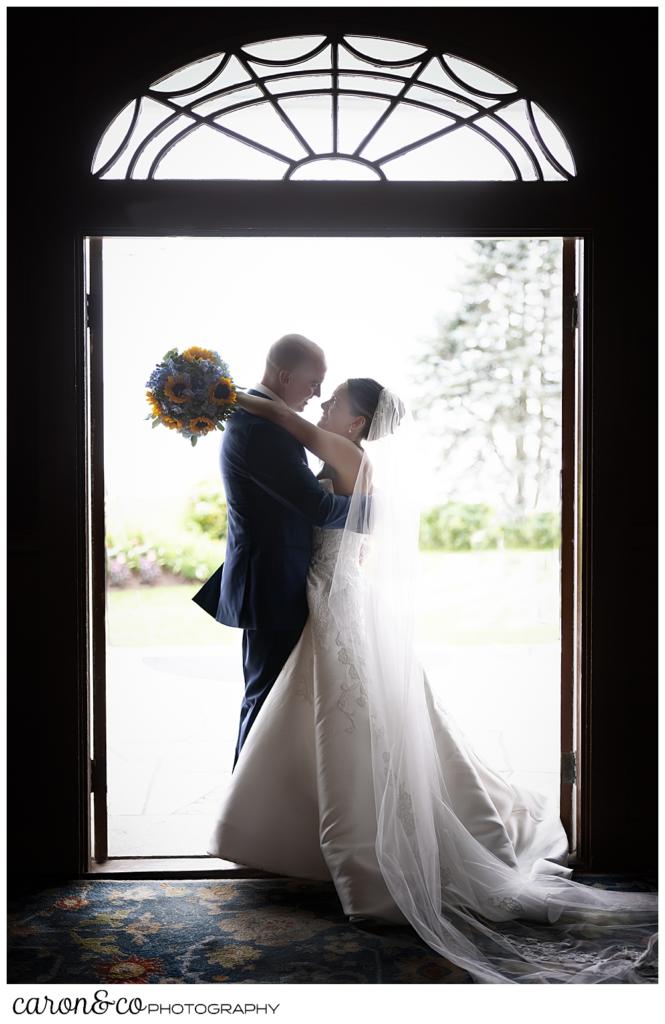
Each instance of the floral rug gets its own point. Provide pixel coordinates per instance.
(251, 930)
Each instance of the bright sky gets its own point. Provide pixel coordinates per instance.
(369, 302)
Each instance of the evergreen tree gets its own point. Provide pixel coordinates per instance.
(496, 364)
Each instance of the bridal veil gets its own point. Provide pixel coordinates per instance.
(499, 919)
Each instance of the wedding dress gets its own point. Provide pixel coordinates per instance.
(301, 800)
(354, 772)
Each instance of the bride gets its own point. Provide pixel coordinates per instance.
(354, 772)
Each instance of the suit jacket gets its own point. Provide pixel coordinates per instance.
(273, 500)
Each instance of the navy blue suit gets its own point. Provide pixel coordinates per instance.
(273, 500)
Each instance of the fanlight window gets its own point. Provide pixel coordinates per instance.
(310, 107)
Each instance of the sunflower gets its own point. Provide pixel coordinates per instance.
(222, 392)
(153, 402)
(175, 385)
(195, 352)
(201, 424)
(172, 422)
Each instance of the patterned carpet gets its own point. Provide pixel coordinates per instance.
(252, 930)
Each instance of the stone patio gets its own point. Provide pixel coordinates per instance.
(172, 715)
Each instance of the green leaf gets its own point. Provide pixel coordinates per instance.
(156, 422)
(193, 440)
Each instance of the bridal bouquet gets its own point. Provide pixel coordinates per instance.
(191, 392)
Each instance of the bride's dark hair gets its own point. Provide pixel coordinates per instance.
(364, 395)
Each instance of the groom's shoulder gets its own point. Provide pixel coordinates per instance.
(247, 418)
(252, 429)
(244, 419)
(262, 430)
(266, 441)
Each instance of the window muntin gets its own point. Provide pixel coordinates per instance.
(357, 108)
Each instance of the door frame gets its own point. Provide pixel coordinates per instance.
(245, 210)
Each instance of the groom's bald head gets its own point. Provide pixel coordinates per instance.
(293, 350)
(295, 369)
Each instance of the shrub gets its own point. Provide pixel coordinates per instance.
(460, 526)
(457, 526)
(206, 510)
(131, 555)
(538, 530)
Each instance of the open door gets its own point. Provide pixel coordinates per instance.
(572, 689)
(570, 551)
(96, 547)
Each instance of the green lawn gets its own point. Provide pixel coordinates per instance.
(477, 597)
(489, 597)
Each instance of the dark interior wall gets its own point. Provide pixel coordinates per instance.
(70, 71)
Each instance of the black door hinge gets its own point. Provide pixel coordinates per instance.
(90, 308)
(568, 767)
(95, 786)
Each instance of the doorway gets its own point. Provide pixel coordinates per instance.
(160, 760)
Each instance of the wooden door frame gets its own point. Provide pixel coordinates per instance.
(610, 203)
(253, 209)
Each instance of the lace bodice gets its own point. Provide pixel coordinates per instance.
(326, 546)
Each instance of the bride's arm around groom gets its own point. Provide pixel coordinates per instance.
(339, 452)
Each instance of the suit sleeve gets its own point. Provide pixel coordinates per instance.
(274, 462)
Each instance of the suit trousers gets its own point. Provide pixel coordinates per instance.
(264, 654)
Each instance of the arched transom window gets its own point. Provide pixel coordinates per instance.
(357, 108)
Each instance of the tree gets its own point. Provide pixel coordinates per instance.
(490, 380)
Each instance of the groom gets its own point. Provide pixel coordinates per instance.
(273, 500)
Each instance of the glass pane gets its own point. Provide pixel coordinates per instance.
(516, 115)
(144, 162)
(151, 114)
(403, 126)
(113, 136)
(334, 168)
(462, 155)
(476, 77)
(208, 153)
(515, 148)
(367, 83)
(434, 74)
(553, 138)
(229, 99)
(437, 99)
(357, 115)
(188, 77)
(349, 61)
(321, 62)
(262, 124)
(312, 116)
(299, 84)
(384, 49)
(233, 74)
(288, 48)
